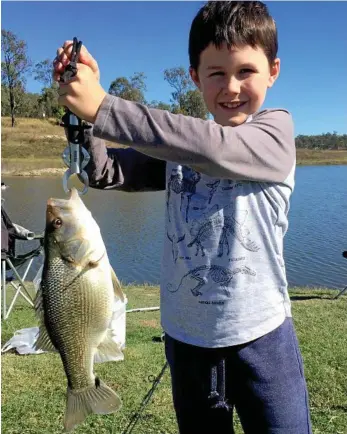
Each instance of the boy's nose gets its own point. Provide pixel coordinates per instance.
(232, 85)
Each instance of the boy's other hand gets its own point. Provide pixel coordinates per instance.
(82, 94)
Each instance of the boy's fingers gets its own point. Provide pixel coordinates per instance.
(85, 56)
(57, 65)
(67, 46)
(64, 56)
(88, 59)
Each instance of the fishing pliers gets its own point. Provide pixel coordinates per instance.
(74, 156)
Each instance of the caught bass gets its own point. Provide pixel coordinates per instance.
(74, 305)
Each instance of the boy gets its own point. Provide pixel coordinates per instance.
(225, 308)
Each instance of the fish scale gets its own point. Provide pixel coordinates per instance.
(72, 308)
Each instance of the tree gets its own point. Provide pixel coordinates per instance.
(13, 69)
(29, 107)
(193, 104)
(159, 105)
(131, 90)
(322, 141)
(186, 99)
(5, 101)
(43, 73)
(48, 101)
(179, 79)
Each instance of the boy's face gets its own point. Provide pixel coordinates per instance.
(234, 82)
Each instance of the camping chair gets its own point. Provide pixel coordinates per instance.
(344, 254)
(10, 261)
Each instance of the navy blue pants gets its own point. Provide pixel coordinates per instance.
(263, 380)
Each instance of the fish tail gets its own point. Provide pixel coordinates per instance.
(99, 399)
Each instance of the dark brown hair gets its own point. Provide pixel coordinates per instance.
(236, 23)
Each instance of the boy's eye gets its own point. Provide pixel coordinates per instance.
(216, 73)
(246, 71)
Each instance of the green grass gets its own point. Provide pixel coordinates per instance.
(34, 386)
(311, 157)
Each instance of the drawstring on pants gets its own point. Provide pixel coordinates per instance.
(218, 385)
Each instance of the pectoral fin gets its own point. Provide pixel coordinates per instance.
(108, 350)
(116, 286)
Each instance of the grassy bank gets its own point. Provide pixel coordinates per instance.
(33, 386)
(308, 157)
(36, 144)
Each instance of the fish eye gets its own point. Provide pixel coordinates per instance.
(57, 223)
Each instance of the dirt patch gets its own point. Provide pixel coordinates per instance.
(149, 323)
(36, 172)
(52, 136)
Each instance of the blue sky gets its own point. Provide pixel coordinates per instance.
(127, 37)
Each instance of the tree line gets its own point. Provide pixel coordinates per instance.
(16, 102)
(185, 98)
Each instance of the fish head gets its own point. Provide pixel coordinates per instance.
(71, 227)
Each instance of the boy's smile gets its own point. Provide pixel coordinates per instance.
(234, 82)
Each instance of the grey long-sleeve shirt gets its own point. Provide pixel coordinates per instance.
(223, 275)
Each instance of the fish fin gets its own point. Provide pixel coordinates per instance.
(38, 305)
(99, 399)
(108, 350)
(117, 286)
(43, 342)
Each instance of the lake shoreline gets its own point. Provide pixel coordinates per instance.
(34, 148)
(30, 171)
(50, 171)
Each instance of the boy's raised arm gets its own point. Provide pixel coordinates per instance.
(124, 169)
(260, 150)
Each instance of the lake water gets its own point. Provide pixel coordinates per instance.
(132, 225)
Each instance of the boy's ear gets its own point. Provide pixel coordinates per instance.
(195, 77)
(274, 71)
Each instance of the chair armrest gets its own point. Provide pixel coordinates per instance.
(39, 236)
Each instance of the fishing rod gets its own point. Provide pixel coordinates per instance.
(74, 155)
(134, 420)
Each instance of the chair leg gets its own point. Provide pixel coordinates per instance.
(20, 288)
(22, 278)
(3, 284)
(18, 291)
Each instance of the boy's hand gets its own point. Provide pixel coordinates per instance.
(64, 56)
(83, 94)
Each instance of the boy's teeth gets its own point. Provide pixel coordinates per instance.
(232, 105)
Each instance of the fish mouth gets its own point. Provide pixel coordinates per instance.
(56, 206)
(65, 204)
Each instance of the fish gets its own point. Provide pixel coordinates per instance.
(74, 306)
